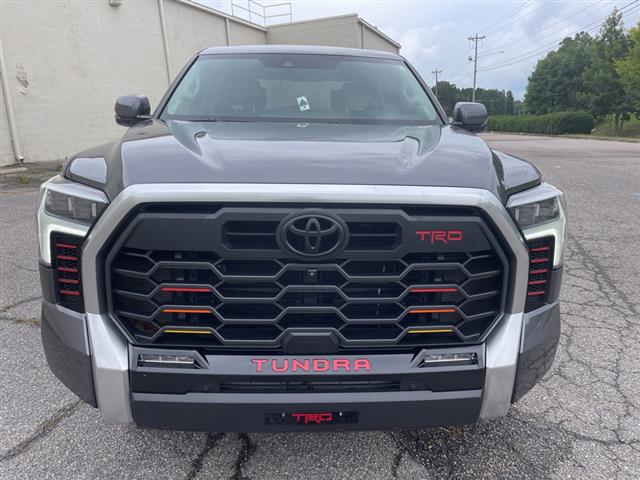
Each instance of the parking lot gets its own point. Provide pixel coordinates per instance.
(582, 421)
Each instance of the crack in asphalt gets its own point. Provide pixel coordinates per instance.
(209, 445)
(247, 449)
(618, 301)
(44, 429)
(22, 267)
(6, 308)
(439, 451)
(397, 458)
(34, 322)
(434, 449)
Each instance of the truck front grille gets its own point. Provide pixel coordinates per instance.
(385, 289)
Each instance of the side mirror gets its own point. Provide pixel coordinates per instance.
(131, 109)
(470, 116)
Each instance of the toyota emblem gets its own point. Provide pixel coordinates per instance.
(312, 234)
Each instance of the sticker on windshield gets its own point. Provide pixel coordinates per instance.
(303, 104)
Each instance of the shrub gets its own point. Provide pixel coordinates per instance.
(550, 124)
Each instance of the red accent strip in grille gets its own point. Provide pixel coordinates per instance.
(537, 282)
(533, 294)
(69, 292)
(540, 260)
(65, 269)
(69, 280)
(434, 290)
(540, 249)
(536, 272)
(66, 245)
(67, 257)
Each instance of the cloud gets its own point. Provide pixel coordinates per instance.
(415, 48)
(433, 33)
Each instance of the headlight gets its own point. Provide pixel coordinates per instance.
(66, 207)
(541, 212)
(74, 208)
(536, 213)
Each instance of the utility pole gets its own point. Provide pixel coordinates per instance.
(475, 39)
(436, 72)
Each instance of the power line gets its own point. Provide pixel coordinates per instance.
(507, 16)
(528, 13)
(463, 55)
(535, 34)
(573, 14)
(532, 53)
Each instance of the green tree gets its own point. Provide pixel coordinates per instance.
(508, 103)
(447, 96)
(497, 102)
(602, 93)
(557, 79)
(628, 69)
(518, 107)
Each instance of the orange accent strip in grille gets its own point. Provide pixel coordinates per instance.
(184, 310)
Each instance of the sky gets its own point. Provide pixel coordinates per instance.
(434, 33)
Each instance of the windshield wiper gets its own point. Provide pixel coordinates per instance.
(208, 120)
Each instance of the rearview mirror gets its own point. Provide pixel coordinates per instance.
(470, 116)
(131, 109)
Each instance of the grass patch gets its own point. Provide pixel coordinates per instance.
(630, 128)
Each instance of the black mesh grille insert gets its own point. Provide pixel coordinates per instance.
(312, 386)
(65, 258)
(388, 288)
(540, 265)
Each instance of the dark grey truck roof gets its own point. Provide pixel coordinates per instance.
(300, 49)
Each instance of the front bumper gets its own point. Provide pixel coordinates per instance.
(89, 355)
(109, 354)
(243, 412)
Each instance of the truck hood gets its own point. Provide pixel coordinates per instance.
(243, 152)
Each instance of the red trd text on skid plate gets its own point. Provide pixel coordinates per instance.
(306, 418)
(443, 236)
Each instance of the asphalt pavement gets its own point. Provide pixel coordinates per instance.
(581, 421)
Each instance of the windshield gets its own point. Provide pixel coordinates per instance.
(300, 88)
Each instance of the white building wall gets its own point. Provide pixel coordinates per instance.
(374, 41)
(68, 60)
(77, 57)
(340, 31)
(6, 152)
(190, 29)
(242, 34)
